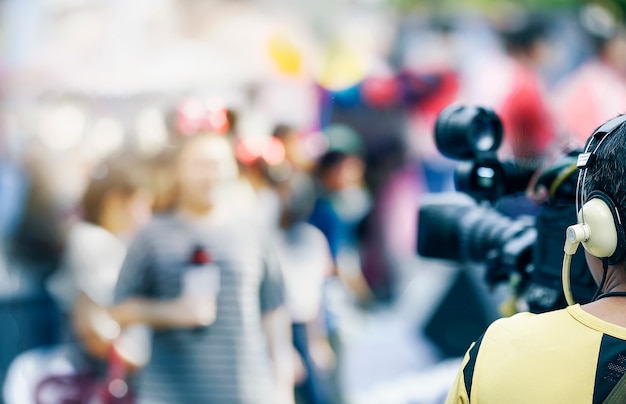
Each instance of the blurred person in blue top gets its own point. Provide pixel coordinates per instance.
(13, 192)
(342, 203)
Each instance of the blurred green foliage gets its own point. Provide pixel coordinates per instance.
(443, 6)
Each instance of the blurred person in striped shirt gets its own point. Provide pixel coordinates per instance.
(207, 281)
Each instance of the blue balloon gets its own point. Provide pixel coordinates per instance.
(347, 98)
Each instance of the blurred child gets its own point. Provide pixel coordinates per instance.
(114, 206)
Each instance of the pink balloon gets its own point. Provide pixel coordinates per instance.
(380, 92)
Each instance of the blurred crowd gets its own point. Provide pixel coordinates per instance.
(217, 202)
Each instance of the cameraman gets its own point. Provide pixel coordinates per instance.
(573, 355)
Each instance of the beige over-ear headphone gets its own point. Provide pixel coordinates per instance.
(600, 227)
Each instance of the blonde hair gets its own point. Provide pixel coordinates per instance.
(166, 183)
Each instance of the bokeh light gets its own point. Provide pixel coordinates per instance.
(151, 131)
(61, 127)
(105, 138)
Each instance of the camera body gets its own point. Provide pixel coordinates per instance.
(524, 250)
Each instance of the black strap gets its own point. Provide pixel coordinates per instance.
(605, 270)
(611, 294)
(618, 394)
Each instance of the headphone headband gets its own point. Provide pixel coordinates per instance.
(609, 127)
(589, 157)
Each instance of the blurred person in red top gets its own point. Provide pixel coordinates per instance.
(431, 83)
(596, 91)
(528, 126)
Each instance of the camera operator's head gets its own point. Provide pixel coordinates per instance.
(602, 201)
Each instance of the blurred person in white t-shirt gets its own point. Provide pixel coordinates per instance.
(304, 256)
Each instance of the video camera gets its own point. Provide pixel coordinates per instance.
(525, 250)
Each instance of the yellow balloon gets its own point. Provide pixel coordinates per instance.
(285, 54)
(342, 66)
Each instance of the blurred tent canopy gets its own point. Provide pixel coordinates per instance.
(113, 56)
(122, 48)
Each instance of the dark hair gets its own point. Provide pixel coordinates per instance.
(281, 131)
(298, 198)
(124, 178)
(608, 173)
(329, 161)
(521, 33)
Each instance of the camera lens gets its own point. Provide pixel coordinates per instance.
(485, 178)
(483, 134)
(467, 132)
(464, 232)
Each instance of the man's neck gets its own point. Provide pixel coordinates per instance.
(609, 309)
(113, 222)
(195, 211)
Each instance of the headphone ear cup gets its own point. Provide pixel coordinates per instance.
(606, 233)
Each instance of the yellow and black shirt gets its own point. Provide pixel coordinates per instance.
(566, 356)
